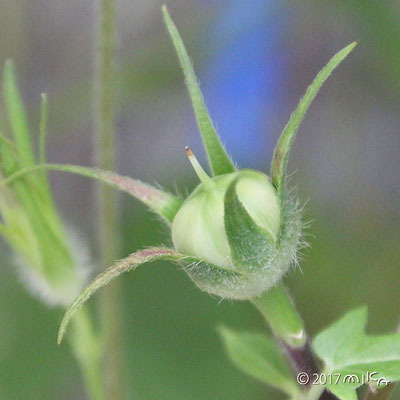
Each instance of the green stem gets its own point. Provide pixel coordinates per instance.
(278, 310)
(87, 350)
(108, 230)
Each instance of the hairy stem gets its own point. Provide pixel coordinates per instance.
(106, 159)
(277, 308)
(86, 348)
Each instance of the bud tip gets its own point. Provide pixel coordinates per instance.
(204, 178)
(189, 152)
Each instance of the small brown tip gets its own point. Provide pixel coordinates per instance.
(189, 152)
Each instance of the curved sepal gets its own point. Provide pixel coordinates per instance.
(251, 246)
(159, 201)
(282, 149)
(127, 264)
(219, 160)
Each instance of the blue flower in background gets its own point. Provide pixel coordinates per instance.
(243, 80)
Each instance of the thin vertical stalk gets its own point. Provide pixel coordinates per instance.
(86, 348)
(106, 158)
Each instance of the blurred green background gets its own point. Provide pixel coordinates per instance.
(254, 62)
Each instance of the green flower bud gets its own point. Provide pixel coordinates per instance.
(237, 234)
(200, 230)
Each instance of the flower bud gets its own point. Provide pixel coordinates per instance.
(200, 230)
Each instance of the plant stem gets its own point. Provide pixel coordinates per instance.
(381, 394)
(108, 230)
(87, 350)
(278, 310)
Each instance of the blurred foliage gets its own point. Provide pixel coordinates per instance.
(172, 347)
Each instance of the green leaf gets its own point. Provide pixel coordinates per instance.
(32, 197)
(259, 356)
(328, 342)
(347, 350)
(163, 203)
(8, 156)
(37, 187)
(219, 160)
(127, 264)
(251, 246)
(16, 115)
(282, 149)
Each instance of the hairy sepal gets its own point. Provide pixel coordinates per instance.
(217, 281)
(254, 252)
(207, 277)
(282, 149)
(251, 246)
(291, 238)
(125, 265)
(219, 160)
(163, 203)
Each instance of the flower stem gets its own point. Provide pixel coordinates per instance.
(108, 231)
(277, 308)
(86, 348)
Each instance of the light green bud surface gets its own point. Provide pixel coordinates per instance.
(198, 227)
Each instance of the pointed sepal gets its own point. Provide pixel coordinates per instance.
(17, 116)
(163, 203)
(282, 149)
(252, 247)
(219, 160)
(127, 264)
